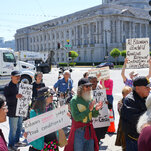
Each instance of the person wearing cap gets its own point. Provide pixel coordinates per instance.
(133, 74)
(15, 123)
(82, 135)
(41, 105)
(3, 113)
(64, 83)
(133, 107)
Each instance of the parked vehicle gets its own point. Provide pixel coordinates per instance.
(110, 64)
(39, 59)
(8, 63)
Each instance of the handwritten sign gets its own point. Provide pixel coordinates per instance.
(23, 103)
(101, 73)
(46, 123)
(103, 119)
(137, 52)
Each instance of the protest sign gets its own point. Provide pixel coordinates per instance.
(23, 103)
(100, 73)
(46, 123)
(103, 119)
(137, 52)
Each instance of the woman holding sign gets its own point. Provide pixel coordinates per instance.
(41, 105)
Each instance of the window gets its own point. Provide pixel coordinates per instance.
(9, 57)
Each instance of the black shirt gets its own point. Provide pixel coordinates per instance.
(10, 92)
(133, 107)
(36, 87)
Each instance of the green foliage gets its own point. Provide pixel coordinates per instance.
(74, 55)
(123, 53)
(150, 53)
(115, 53)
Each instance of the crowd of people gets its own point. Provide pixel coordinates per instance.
(82, 109)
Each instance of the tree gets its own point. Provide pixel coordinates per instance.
(73, 55)
(123, 53)
(115, 53)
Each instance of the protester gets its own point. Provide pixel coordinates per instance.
(86, 75)
(37, 85)
(133, 107)
(144, 128)
(120, 139)
(100, 132)
(108, 85)
(133, 74)
(64, 83)
(3, 113)
(15, 123)
(82, 135)
(43, 104)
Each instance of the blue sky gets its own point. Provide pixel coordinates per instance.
(15, 14)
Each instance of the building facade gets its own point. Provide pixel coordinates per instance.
(93, 32)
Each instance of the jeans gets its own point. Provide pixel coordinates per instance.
(131, 145)
(80, 143)
(15, 124)
(110, 105)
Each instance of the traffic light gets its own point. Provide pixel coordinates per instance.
(68, 42)
(150, 11)
(69, 54)
(58, 45)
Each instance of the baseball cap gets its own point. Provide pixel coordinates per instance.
(84, 81)
(141, 81)
(15, 73)
(44, 92)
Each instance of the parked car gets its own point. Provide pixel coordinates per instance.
(104, 64)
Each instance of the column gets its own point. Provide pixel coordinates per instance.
(83, 36)
(130, 29)
(121, 31)
(118, 31)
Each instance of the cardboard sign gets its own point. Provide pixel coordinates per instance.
(137, 52)
(103, 119)
(23, 103)
(46, 123)
(100, 73)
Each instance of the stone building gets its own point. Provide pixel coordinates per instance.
(93, 32)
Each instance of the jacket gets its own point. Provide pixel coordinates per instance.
(133, 107)
(10, 92)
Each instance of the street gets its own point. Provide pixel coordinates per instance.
(49, 79)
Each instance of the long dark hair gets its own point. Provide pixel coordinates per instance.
(39, 106)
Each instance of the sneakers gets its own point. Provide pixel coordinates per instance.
(20, 144)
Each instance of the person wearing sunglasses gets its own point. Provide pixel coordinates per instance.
(82, 135)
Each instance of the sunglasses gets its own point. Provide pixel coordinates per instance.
(88, 86)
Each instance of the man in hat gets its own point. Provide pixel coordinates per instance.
(133, 74)
(133, 107)
(15, 123)
(82, 135)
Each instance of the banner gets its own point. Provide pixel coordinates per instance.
(100, 73)
(23, 103)
(137, 52)
(46, 123)
(103, 119)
